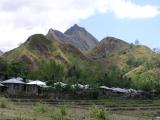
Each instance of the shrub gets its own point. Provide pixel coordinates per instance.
(20, 117)
(57, 115)
(101, 114)
(98, 113)
(63, 110)
(60, 114)
(4, 103)
(1, 116)
(41, 108)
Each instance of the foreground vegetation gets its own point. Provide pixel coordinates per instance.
(109, 109)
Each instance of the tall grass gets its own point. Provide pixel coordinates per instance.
(4, 102)
(41, 108)
(60, 114)
(100, 114)
(20, 117)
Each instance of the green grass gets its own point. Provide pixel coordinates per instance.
(109, 109)
(98, 113)
(5, 103)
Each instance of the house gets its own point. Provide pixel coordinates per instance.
(35, 87)
(105, 91)
(60, 84)
(3, 88)
(37, 82)
(15, 86)
(116, 91)
(80, 86)
(120, 90)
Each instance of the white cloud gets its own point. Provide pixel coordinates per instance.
(128, 9)
(22, 18)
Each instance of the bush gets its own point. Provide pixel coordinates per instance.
(98, 113)
(41, 108)
(101, 114)
(1, 115)
(60, 114)
(4, 103)
(57, 115)
(20, 117)
(63, 110)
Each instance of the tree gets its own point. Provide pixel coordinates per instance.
(3, 68)
(73, 74)
(50, 71)
(17, 69)
(131, 45)
(136, 42)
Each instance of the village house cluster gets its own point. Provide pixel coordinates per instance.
(16, 86)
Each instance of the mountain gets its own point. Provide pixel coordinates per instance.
(76, 36)
(108, 46)
(49, 60)
(111, 61)
(1, 53)
(137, 63)
(112, 51)
(38, 48)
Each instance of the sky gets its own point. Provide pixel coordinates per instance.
(128, 20)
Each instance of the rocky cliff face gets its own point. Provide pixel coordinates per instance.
(76, 36)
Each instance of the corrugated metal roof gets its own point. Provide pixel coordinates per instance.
(105, 87)
(13, 80)
(37, 82)
(80, 86)
(60, 83)
(121, 90)
(1, 84)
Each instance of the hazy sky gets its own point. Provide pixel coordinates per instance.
(125, 19)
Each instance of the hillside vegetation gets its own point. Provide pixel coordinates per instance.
(50, 60)
(112, 62)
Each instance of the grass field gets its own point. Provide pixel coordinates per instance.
(109, 109)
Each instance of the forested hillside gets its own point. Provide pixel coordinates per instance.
(111, 62)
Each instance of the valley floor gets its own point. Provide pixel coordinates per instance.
(109, 109)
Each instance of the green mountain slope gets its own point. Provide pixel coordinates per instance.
(107, 47)
(113, 51)
(137, 63)
(111, 62)
(38, 48)
(49, 60)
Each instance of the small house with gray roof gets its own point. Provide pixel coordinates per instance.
(35, 87)
(15, 86)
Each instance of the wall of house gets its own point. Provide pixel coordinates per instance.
(15, 89)
(32, 90)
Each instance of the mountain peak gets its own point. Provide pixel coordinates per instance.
(110, 39)
(112, 43)
(74, 29)
(75, 25)
(107, 46)
(76, 36)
